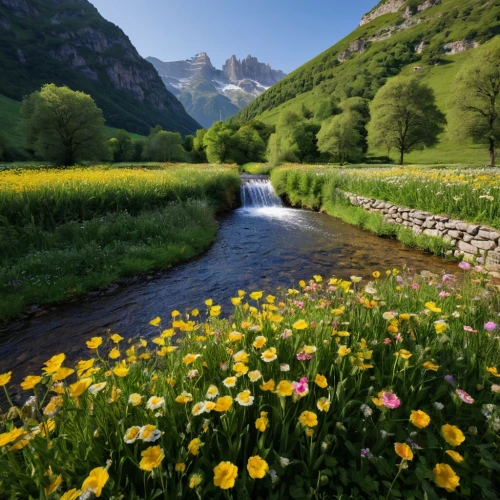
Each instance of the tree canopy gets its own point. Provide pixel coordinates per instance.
(62, 125)
(404, 116)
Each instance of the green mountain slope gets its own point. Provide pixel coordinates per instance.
(433, 37)
(69, 42)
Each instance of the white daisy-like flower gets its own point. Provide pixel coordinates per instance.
(254, 375)
(229, 382)
(245, 398)
(94, 389)
(131, 434)
(155, 402)
(284, 367)
(135, 399)
(212, 392)
(198, 409)
(149, 433)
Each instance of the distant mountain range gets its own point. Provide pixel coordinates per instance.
(211, 94)
(68, 42)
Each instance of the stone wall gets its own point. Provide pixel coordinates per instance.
(470, 240)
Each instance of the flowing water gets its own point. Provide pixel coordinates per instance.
(261, 246)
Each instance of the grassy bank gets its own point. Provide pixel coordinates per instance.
(338, 389)
(469, 194)
(66, 232)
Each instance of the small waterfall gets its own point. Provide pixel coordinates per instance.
(259, 193)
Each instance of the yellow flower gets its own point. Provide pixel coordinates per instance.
(445, 477)
(53, 406)
(241, 357)
(156, 321)
(323, 404)
(94, 342)
(429, 365)
(121, 369)
(79, 387)
(195, 480)
(223, 403)
(11, 436)
(268, 386)
(29, 382)
(184, 398)
(403, 450)
(440, 326)
(432, 307)
(194, 446)
(284, 388)
(135, 399)
(225, 475)
(114, 353)
(321, 381)
(116, 338)
(308, 419)
(269, 355)
(404, 317)
(403, 353)
(452, 434)
(240, 369)
(259, 342)
(151, 458)
(420, 419)
(262, 423)
(155, 402)
(229, 382)
(96, 480)
(300, 325)
(180, 467)
(492, 370)
(257, 467)
(212, 392)
(53, 485)
(132, 434)
(5, 378)
(236, 301)
(256, 295)
(254, 375)
(235, 336)
(455, 455)
(115, 394)
(376, 274)
(195, 312)
(72, 494)
(244, 398)
(215, 310)
(190, 358)
(53, 364)
(343, 351)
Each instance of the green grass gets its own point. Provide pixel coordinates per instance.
(65, 232)
(257, 168)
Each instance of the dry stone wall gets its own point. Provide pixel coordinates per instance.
(470, 240)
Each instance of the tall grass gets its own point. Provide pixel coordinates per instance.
(468, 194)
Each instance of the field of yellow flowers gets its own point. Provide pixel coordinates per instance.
(337, 389)
(469, 194)
(64, 232)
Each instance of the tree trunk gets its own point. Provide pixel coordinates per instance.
(492, 152)
(402, 157)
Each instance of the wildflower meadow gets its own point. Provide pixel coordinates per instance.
(333, 389)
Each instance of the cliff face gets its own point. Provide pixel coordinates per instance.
(68, 42)
(211, 94)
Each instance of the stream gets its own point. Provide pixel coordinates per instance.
(260, 246)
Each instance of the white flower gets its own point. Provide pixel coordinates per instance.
(244, 398)
(367, 411)
(254, 375)
(229, 382)
(284, 461)
(149, 434)
(284, 367)
(198, 409)
(438, 405)
(155, 402)
(212, 392)
(131, 434)
(94, 389)
(274, 476)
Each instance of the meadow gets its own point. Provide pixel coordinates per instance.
(465, 193)
(67, 231)
(336, 389)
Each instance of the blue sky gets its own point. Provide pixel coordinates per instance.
(283, 33)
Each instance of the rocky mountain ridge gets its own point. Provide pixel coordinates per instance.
(211, 94)
(68, 42)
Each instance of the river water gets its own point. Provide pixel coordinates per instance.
(261, 246)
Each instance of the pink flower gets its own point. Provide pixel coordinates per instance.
(192, 374)
(390, 400)
(444, 295)
(301, 387)
(469, 329)
(490, 326)
(415, 286)
(398, 337)
(286, 333)
(464, 265)
(479, 269)
(446, 278)
(464, 396)
(387, 341)
(302, 356)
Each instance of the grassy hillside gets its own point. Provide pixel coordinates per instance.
(362, 74)
(9, 122)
